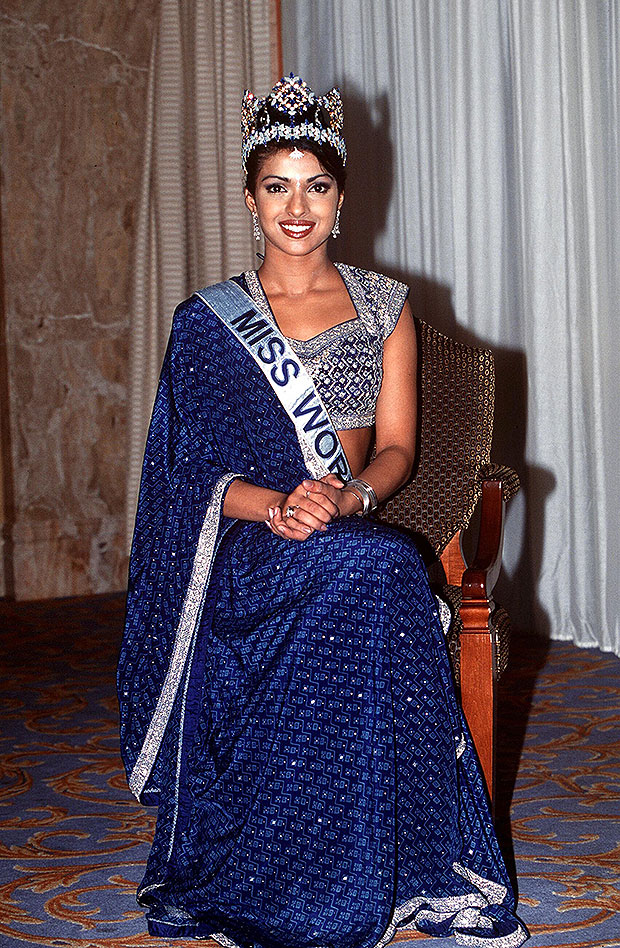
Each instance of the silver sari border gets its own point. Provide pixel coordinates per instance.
(465, 910)
(186, 629)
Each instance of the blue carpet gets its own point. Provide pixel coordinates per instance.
(74, 842)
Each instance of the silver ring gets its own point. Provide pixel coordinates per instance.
(290, 511)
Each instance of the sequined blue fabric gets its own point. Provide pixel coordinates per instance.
(316, 784)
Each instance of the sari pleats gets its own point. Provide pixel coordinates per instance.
(325, 789)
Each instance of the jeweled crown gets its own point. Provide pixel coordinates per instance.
(291, 111)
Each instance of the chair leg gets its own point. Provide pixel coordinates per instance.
(478, 689)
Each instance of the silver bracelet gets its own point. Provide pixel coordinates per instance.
(374, 502)
(363, 499)
(364, 492)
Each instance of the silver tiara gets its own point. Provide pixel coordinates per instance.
(291, 111)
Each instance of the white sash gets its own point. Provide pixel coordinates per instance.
(261, 338)
(322, 452)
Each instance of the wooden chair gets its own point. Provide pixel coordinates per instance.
(453, 474)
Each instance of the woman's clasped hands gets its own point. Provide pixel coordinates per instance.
(309, 508)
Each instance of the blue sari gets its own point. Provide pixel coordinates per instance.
(289, 706)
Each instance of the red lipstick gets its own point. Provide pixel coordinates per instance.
(296, 229)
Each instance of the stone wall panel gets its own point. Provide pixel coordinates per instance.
(73, 96)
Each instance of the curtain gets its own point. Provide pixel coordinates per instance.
(484, 170)
(193, 227)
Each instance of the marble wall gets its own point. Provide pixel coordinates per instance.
(73, 92)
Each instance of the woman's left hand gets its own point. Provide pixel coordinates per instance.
(313, 500)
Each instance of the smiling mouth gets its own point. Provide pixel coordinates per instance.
(297, 229)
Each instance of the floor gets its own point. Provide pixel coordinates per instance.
(74, 841)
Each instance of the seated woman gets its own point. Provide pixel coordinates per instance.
(285, 692)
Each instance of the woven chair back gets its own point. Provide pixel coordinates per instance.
(456, 386)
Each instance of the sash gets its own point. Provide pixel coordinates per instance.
(290, 381)
(322, 453)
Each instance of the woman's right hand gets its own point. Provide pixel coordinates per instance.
(315, 504)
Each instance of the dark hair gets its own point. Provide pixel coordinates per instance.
(326, 154)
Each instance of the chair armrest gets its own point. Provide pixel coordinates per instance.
(500, 472)
(480, 578)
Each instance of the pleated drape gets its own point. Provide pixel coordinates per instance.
(484, 170)
(193, 227)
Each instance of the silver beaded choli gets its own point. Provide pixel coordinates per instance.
(346, 360)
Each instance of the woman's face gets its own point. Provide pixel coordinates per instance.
(296, 201)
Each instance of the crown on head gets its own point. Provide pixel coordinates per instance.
(291, 111)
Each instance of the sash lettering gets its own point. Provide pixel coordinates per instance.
(251, 331)
(289, 379)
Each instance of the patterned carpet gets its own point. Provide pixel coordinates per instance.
(74, 843)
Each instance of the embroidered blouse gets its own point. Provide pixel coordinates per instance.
(346, 360)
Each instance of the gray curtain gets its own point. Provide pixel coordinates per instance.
(193, 227)
(484, 157)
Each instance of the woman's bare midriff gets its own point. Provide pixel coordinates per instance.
(356, 444)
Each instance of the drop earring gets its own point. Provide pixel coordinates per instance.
(336, 227)
(256, 226)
